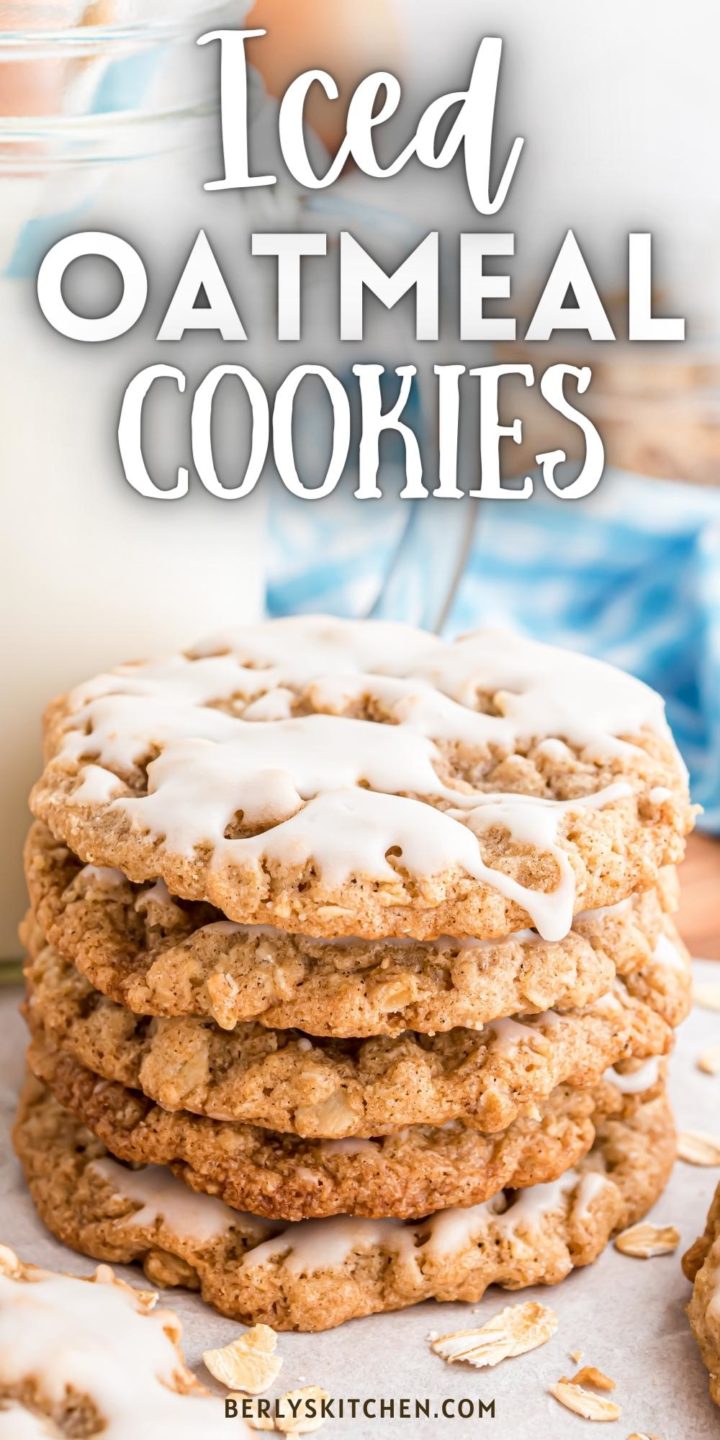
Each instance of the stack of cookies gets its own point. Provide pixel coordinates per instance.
(351, 967)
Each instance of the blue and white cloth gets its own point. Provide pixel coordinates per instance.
(631, 575)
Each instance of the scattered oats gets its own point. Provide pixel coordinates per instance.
(590, 1375)
(582, 1402)
(252, 1417)
(707, 995)
(9, 1263)
(304, 1411)
(709, 1061)
(576, 1356)
(697, 1148)
(645, 1241)
(431, 1335)
(248, 1363)
(512, 1331)
(644, 1436)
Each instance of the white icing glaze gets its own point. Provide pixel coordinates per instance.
(532, 1206)
(591, 1185)
(637, 1081)
(543, 692)
(350, 1146)
(314, 1245)
(349, 831)
(156, 894)
(301, 776)
(93, 1338)
(326, 1244)
(611, 1003)
(452, 1230)
(99, 786)
(601, 912)
(17, 1423)
(276, 705)
(102, 876)
(668, 955)
(509, 1033)
(161, 1197)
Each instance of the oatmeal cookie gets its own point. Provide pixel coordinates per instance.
(406, 1174)
(355, 778)
(701, 1264)
(317, 1274)
(159, 955)
(333, 1089)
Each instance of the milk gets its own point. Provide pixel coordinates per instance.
(92, 573)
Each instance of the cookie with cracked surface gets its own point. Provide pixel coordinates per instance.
(333, 1089)
(406, 1174)
(320, 1273)
(701, 1264)
(357, 778)
(162, 956)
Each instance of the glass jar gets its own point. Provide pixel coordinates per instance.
(107, 122)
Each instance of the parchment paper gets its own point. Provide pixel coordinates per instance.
(627, 1316)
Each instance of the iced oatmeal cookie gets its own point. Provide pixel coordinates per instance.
(406, 1174)
(341, 778)
(702, 1265)
(159, 955)
(333, 1089)
(88, 1357)
(320, 1273)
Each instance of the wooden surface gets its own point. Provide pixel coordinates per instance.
(700, 901)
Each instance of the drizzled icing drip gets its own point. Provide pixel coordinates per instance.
(104, 877)
(318, 1245)
(162, 1197)
(325, 1244)
(194, 795)
(667, 955)
(19, 1424)
(540, 691)
(333, 788)
(636, 1082)
(312, 1245)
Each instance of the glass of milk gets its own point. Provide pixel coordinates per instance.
(103, 126)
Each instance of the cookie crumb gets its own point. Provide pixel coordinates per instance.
(590, 1375)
